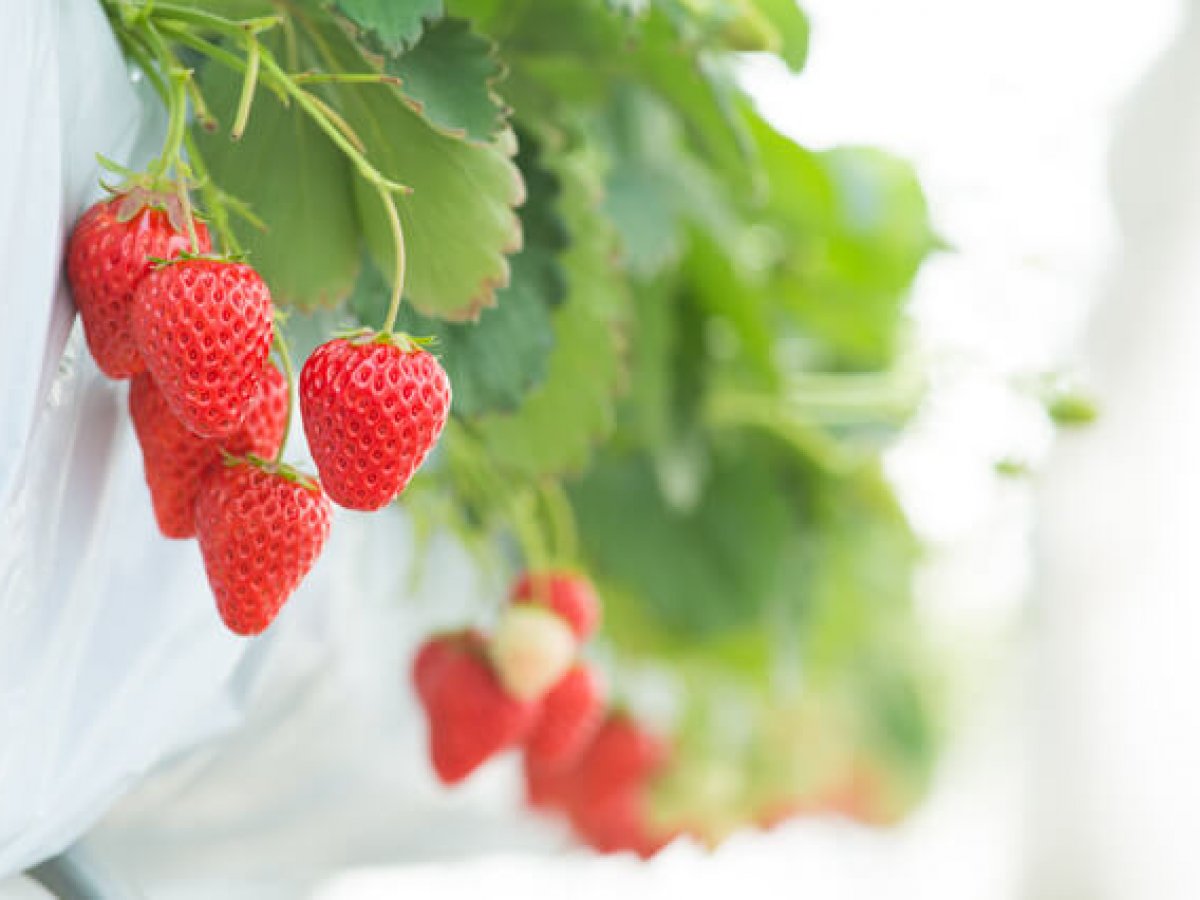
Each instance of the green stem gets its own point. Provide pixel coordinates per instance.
(176, 123)
(203, 116)
(389, 206)
(249, 83)
(134, 45)
(181, 34)
(213, 201)
(344, 78)
(562, 521)
(289, 374)
(233, 28)
(529, 537)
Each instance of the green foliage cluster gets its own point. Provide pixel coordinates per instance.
(665, 321)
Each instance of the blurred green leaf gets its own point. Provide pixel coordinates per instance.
(697, 573)
(559, 423)
(791, 30)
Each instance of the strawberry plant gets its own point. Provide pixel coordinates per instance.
(675, 343)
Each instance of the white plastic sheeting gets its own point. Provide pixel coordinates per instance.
(110, 656)
(113, 661)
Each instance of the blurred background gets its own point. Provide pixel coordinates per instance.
(1056, 145)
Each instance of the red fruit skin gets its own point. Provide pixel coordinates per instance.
(622, 755)
(471, 719)
(106, 260)
(607, 798)
(433, 653)
(618, 823)
(259, 533)
(569, 717)
(175, 459)
(547, 786)
(566, 593)
(372, 412)
(204, 330)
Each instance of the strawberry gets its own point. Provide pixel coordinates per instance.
(373, 407)
(107, 257)
(204, 329)
(532, 649)
(547, 785)
(619, 822)
(175, 459)
(471, 718)
(567, 593)
(569, 716)
(622, 755)
(607, 801)
(260, 530)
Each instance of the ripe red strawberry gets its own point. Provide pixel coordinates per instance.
(622, 755)
(373, 408)
(569, 716)
(107, 257)
(619, 822)
(607, 801)
(567, 593)
(547, 785)
(260, 532)
(175, 459)
(470, 717)
(204, 329)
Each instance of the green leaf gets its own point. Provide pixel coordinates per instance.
(654, 185)
(698, 573)
(459, 221)
(494, 362)
(559, 423)
(448, 77)
(791, 30)
(297, 182)
(863, 557)
(396, 24)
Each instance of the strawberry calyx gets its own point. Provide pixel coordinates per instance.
(406, 342)
(271, 467)
(187, 256)
(144, 190)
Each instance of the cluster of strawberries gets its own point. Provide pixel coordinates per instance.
(525, 686)
(194, 333)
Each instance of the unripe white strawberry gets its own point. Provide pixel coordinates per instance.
(531, 648)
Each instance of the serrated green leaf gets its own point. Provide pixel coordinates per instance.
(560, 422)
(494, 362)
(448, 77)
(297, 182)
(459, 221)
(396, 24)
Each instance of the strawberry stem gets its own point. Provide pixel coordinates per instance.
(249, 83)
(289, 374)
(561, 519)
(389, 205)
(176, 123)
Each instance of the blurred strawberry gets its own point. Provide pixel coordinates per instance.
(471, 717)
